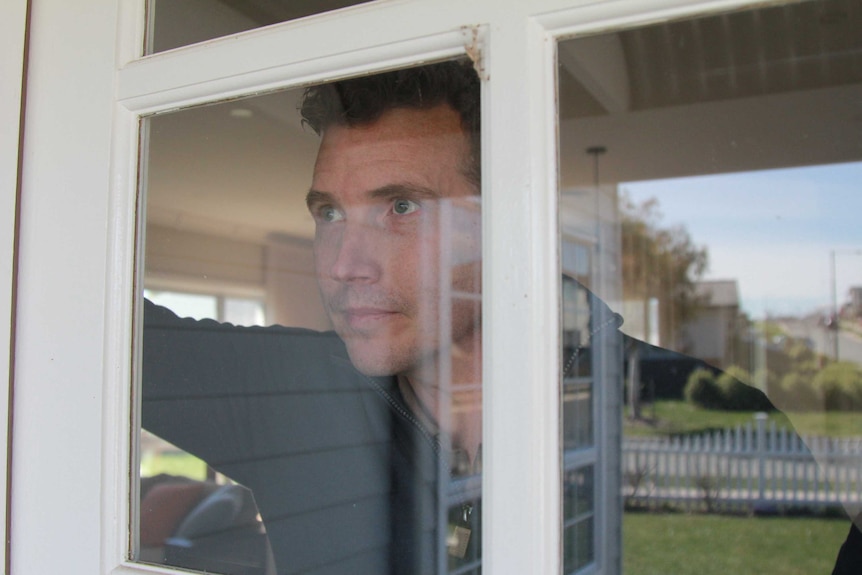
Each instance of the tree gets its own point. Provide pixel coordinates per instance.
(661, 263)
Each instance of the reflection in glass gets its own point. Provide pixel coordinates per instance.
(577, 367)
(176, 23)
(351, 440)
(729, 169)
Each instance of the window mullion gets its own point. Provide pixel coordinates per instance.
(521, 466)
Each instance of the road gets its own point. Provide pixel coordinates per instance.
(849, 344)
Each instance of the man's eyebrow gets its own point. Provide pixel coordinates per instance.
(315, 198)
(406, 191)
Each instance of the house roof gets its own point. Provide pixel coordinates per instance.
(718, 293)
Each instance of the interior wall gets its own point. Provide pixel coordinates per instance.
(198, 259)
(292, 297)
(281, 270)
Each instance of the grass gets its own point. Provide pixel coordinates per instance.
(835, 424)
(681, 544)
(669, 417)
(173, 464)
(679, 417)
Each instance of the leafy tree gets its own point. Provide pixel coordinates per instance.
(662, 263)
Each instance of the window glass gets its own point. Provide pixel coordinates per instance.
(311, 362)
(176, 23)
(712, 168)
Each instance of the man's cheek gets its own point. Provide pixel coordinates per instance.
(322, 267)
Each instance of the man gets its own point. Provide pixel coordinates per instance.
(384, 182)
(350, 442)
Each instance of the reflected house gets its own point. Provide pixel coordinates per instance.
(710, 334)
(706, 341)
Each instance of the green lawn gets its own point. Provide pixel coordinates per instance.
(835, 424)
(173, 464)
(672, 417)
(681, 544)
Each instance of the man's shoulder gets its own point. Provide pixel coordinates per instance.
(159, 319)
(184, 354)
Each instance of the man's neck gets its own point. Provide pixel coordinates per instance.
(447, 396)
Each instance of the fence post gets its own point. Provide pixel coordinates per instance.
(760, 417)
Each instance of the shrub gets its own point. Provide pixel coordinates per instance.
(701, 390)
(737, 392)
(798, 352)
(840, 386)
(796, 393)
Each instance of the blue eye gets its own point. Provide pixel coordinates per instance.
(330, 214)
(403, 207)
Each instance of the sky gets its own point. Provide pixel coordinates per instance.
(773, 231)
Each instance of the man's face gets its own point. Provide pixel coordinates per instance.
(397, 232)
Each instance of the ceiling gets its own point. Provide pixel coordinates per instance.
(239, 168)
(775, 87)
(790, 47)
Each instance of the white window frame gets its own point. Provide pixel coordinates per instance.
(13, 25)
(87, 88)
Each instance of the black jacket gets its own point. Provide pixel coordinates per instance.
(328, 453)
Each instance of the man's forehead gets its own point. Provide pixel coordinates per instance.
(400, 126)
(423, 148)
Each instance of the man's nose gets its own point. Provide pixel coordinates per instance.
(357, 256)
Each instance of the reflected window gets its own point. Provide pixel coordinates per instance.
(713, 166)
(311, 383)
(578, 519)
(577, 373)
(224, 308)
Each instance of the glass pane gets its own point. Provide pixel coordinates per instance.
(711, 166)
(176, 23)
(311, 358)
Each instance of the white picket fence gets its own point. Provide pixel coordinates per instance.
(756, 467)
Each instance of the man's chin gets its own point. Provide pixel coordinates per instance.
(371, 361)
(373, 367)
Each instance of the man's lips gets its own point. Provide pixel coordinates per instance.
(366, 318)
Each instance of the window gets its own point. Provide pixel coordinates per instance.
(176, 23)
(652, 97)
(355, 446)
(712, 162)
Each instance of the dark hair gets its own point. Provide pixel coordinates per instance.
(363, 100)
